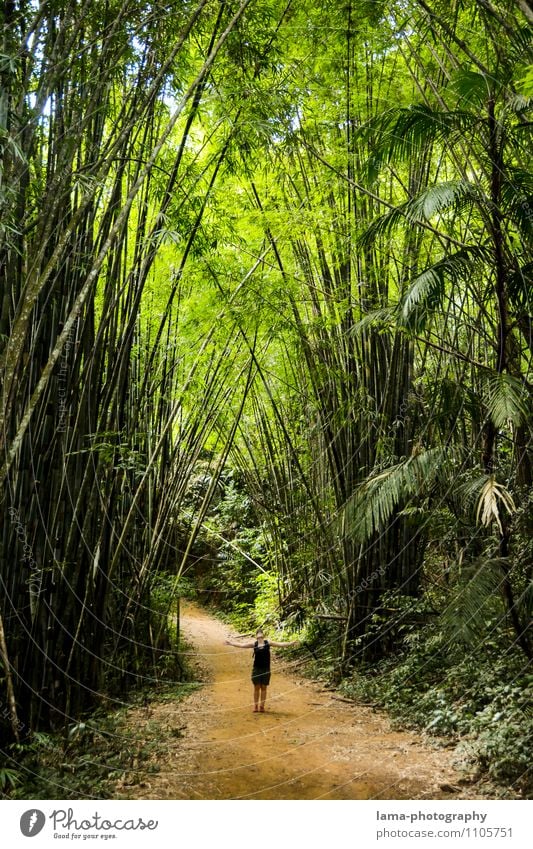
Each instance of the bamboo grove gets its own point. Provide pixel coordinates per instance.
(289, 238)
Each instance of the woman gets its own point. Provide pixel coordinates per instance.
(261, 667)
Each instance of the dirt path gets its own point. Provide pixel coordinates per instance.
(306, 746)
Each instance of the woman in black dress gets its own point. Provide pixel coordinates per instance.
(261, 665)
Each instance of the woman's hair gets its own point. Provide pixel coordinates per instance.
(259, 631)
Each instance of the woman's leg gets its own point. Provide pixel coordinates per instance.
(263, 695)
(257, 688)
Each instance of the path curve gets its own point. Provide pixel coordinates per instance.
(307, 745)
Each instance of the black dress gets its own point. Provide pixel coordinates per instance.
(261, 667)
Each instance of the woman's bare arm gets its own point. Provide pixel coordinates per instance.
(239, 645)
(284, 645)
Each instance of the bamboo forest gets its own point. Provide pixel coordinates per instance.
(266, 335)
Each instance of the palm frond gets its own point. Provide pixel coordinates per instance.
(408, 131)
(374, 502)
(427, 290)
(517, 199)
(443, 196)
(424, 295)
(492, 498)
(383, 225)
(470, 87)
(432, 201)
(526, 83)
(475, 599)
(519, 103)
(508, 400)
(521, 286)
(377, 319)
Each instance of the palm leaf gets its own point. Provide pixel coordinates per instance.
(517, 199)
(427, 290)
(471, 87)
(521, 286)
(519, 103)
(475, 599)
(424, 294)
(409, 131)
(383, 225)
(374, 502)
(492, 498)
(526, 83)
(432, 201)
(508, 400)
(380, 318)
(439, 198)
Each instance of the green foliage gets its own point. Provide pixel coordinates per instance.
(165, 589)
(477, 698)
(526, 82)
(266, 604)
(375, 501)
(409, 132)
(475, 603)
(9, 779)
(470, 87)
(508, 400)
(426, 292)
(95, 754)
(291, 278)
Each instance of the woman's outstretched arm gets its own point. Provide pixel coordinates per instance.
(239, 645)
(284, 645)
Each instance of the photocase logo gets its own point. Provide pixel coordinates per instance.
(32, 822)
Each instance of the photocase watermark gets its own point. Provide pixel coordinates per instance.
(7, 714)
(65, 819)
(63, 384)
(32, 822)
(66, 825)
(528, 211)
(367, 582)
(36, 580)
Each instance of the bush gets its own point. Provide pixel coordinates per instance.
(480, 699)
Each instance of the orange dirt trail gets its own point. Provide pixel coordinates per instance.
(307, 745)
